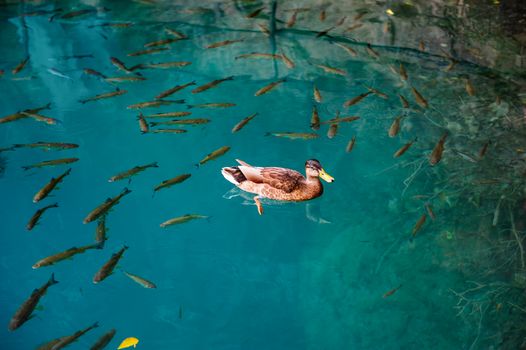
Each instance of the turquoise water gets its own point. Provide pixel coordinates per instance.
(302, 276)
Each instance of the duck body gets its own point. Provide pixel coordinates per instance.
(278, 183)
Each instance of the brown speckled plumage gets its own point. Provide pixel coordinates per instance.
(276, 183)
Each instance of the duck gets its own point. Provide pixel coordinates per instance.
(276, 183)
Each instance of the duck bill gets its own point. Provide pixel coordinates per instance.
(326, 176)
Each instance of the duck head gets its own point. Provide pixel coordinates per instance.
(313, 169)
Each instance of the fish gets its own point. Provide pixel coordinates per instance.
(395, 127)
(350, 145)
(288, 62)
(112, 25)
(210, 85)
(484, 149)
(356, 99)
(147, 51)
(294, 135)
(469, 88)
(465, 156)
(65, 341)
(107, 269)
(354, 26)
(430, 212)
(41, 118)
(348, 49)
(72, 14)
(100, 231)
(105, 207)
(155, 103)
(132, 172)
(47, 146)
(141, 281)
(292, 19)
(7, 149)
(67, 254)
(333, 130)
(19, 115)
(339, 119)
(212, 105)
(329, 69)
(168, 183)
(104, 340)
(255, 13)
(213, 155)
(120, 65)
(76, 57)
(125, 79)
(269, 87)
(34, 219)
(264, 29)
(419, 224)
(317, 94)
(421, 45)
(404, 148)
(391, 292)
(128, 342)
(403, 101)
(2, 72)
(117, 92)
(323, 15)
(168, 131)
(168, 115)
(419, 98)
(315, 119)
(20, 66)
(175, 33)
(259, 55)
(165, 65)
(377, 92)
(182, 122)
(58, 73)
(90, 71)
(162, 42)
(182, 219)
(46, 190)
(371, 51)
(403, 72)
(24, 312)
(243, 122)
(40, 13)
(173, 90)
(451, 65)
(53, 162)
(143, 125)
(436, 154)
(223, 43)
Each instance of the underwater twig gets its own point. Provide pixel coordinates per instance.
(519, 243)
(410, 178)
(480, 325)
(385, 254)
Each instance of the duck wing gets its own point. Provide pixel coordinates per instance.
(283, 179)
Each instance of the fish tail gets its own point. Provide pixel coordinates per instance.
(100, 245)
(26, 167)
(48, 106)
(197, 165)
(154, 123)
(230, 78)
(52, 280)
(189, 106)
(126, 190)
(154, 165)
(54, 205)
(83, 101)
(268, 134)
(95, 325)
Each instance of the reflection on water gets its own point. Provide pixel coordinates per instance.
(419, 243)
